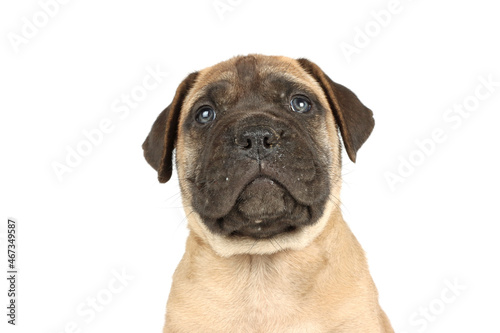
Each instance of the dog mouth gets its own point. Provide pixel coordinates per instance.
(264, 209)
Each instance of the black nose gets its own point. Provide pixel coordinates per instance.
(257, 142)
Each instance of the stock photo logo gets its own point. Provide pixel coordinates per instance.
(222, 7)
(431, 312)
(364, 35)
(33, 24)
(89, 309)
(453, 118)
(121, 107)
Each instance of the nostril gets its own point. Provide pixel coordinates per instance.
(266, 142)
(243, 142)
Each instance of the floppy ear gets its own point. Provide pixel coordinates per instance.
(159, 145)
(353, 118)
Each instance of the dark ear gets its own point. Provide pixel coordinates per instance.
(353, 118)
(159, 145)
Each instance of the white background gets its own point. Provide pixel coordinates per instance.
(438, 227)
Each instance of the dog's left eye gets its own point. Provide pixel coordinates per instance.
(205, 115)
(300, 104)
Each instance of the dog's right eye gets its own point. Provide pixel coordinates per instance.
(300, 104)
(205, 115)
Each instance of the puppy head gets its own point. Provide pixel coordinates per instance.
(258, 152)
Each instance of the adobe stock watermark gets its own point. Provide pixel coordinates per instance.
(427, 314)
(90, 308)
(364, 35)
(32, 25)
(453, 118)
(222, 7)
(121, 107)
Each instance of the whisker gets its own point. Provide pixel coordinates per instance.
(271, 241)
(183, 220)
(251, 247)
(277, 243)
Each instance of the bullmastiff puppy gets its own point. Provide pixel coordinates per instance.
(258, 157)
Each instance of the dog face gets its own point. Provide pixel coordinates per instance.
(259, 164)
(258, 152)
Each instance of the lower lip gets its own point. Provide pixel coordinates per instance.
(262, 233)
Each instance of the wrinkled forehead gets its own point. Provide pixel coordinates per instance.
(233, 78)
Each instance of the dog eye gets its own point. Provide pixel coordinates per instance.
(205, 115)
(300, 104)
